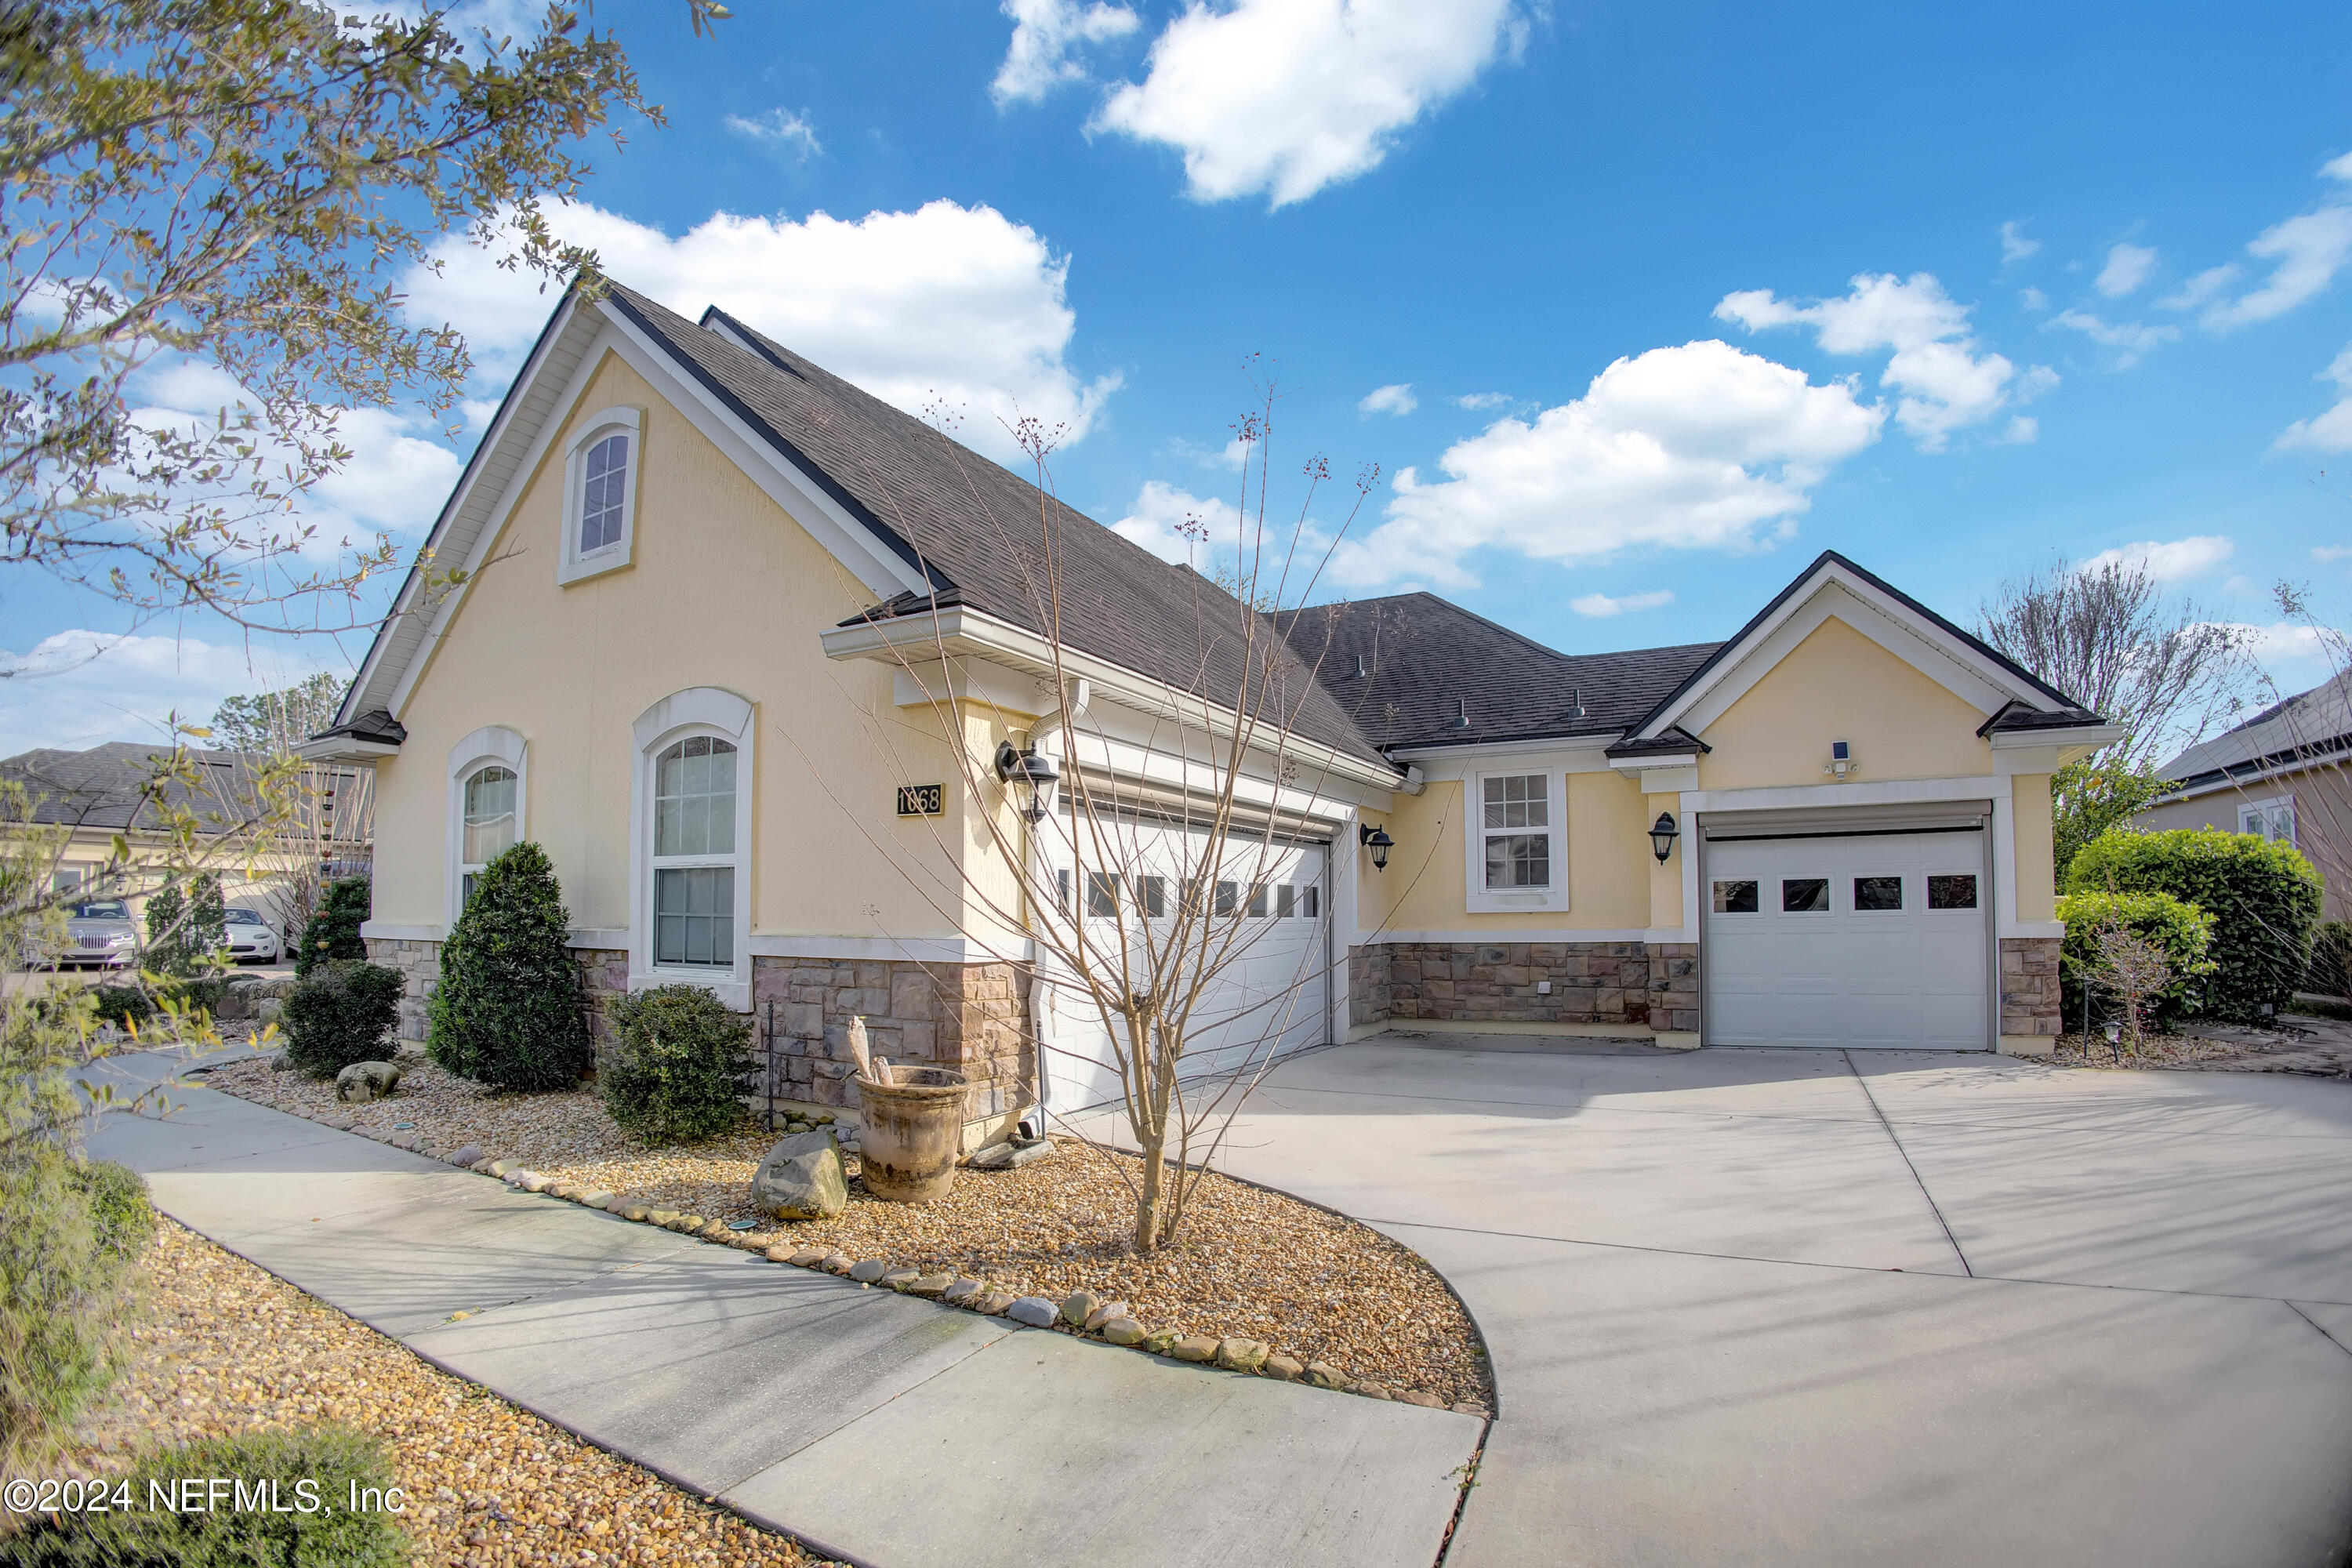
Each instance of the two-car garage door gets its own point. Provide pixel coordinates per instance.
(1872, 938)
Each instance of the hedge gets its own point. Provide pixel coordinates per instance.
(682, 1069)
(2184, 931)
(507, 1011)
(332, 933)
(2263, 898)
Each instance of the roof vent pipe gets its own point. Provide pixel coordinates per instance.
(1360, 671)
(1462, 713)
(1576, 708)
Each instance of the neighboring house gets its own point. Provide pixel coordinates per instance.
(100, 795)
(697, 565)
(2280, 776)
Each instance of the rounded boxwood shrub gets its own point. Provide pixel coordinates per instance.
(68, 1256)
(2263, 898)
(340, 1014)
(122, 1006)
(2183, 932)
(331, 934)
(315, 1464)
(507, 1011)
(682, 1067)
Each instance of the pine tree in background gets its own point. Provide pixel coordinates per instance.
(507, 1011)
(333, 932)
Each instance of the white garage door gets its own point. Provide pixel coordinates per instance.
(1269, 997)
(1873, 939)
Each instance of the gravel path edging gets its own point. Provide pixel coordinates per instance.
(1081, 1313)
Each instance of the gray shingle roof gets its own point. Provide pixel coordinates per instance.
(1428, 665)
(100, 788)
(978, 529)
(2310, 724)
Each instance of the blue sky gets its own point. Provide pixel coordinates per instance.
(1664, 299)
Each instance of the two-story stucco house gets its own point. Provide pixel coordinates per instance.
(679, 657)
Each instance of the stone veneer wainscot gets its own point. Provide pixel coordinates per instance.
(1652, 985)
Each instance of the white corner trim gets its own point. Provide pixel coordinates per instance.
(392, 930)
(572, 565)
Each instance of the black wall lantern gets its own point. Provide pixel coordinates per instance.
(1377, 841)
(1663, 833)
(1036, 775)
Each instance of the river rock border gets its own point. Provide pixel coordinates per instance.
(1083, 1313)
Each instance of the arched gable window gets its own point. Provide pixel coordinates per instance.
(601, 466)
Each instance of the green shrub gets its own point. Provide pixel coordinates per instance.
(331, 935)
(123, 1005)
(67, 1254)
(184, 932)
(2184, 931)
(2263, 898)
(340, 1015)
(507, 1011)
(331, 1460)
(682, 1067)
(2330, 973)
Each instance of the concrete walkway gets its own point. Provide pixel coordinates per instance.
(879, 1428)
(1808, 1308)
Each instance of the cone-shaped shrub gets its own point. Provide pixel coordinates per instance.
(507, 1011)
(333, 932)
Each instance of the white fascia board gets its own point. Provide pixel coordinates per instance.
(1474, 749)
(1633, 767)
(926, 638)
(519, 422)
(345, 748)
(1881, 792)
(1893, 625)
(1547, 756)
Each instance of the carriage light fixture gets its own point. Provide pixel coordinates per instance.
(1035, 773)
(1663, 833)
(1377, 841)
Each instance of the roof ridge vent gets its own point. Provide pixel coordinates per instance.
(1462, 713)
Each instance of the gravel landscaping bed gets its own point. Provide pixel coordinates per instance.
(1307, 1283)
(2314, 1047)
(223, 1347)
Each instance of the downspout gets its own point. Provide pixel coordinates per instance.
(1080, 693)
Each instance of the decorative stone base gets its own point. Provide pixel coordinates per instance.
(1633, 985)
(974, 1018)
(419, 964)
(2031, 996)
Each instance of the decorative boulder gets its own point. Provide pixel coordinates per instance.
(362, 1081)
(802, 1178)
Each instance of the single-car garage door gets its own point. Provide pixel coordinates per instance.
(1875, 938)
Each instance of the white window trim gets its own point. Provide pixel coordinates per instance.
(493, 744)
(697, 711)
(2266, 805)
(570, 565)
(1478, 899)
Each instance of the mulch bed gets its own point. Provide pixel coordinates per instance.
(1253, 1264)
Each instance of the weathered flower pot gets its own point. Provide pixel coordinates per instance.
(914, 1129)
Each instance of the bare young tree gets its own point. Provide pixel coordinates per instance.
(1150, 890)
(2135, 969)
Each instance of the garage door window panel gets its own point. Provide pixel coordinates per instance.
(1952, 892)
(1805, 895)
(1877, 894)
(1736, 898)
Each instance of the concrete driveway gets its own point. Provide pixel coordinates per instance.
(1821, 1308)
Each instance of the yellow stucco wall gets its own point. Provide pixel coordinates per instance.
(1608, 885)
(2037, 897)
(724, 590)
(1837, 685)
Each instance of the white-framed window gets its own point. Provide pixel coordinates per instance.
(691, 845)
(1515, 842)
(601, 466)
(490, 777)
(2272, 819)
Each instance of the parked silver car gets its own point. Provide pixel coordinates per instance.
(101, 931)
(250, 940)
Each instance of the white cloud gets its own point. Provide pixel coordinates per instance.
(80, 687)
(2033, 298)
(1179, 526)
(2022, 431)
(2305, 251)
(2127, 268)
(1602, 606)
(2014, 246)
(2323, 552)
(2172, 561)
(1476, 401)
(2331, 431)
(2338, 168)
(2130, 340)
(1700, 447)
(948, 304)
(2293, 655)
(788, 133)
(1945, 384)
(1394, 398)
(1046, 34)
(1288, 96)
